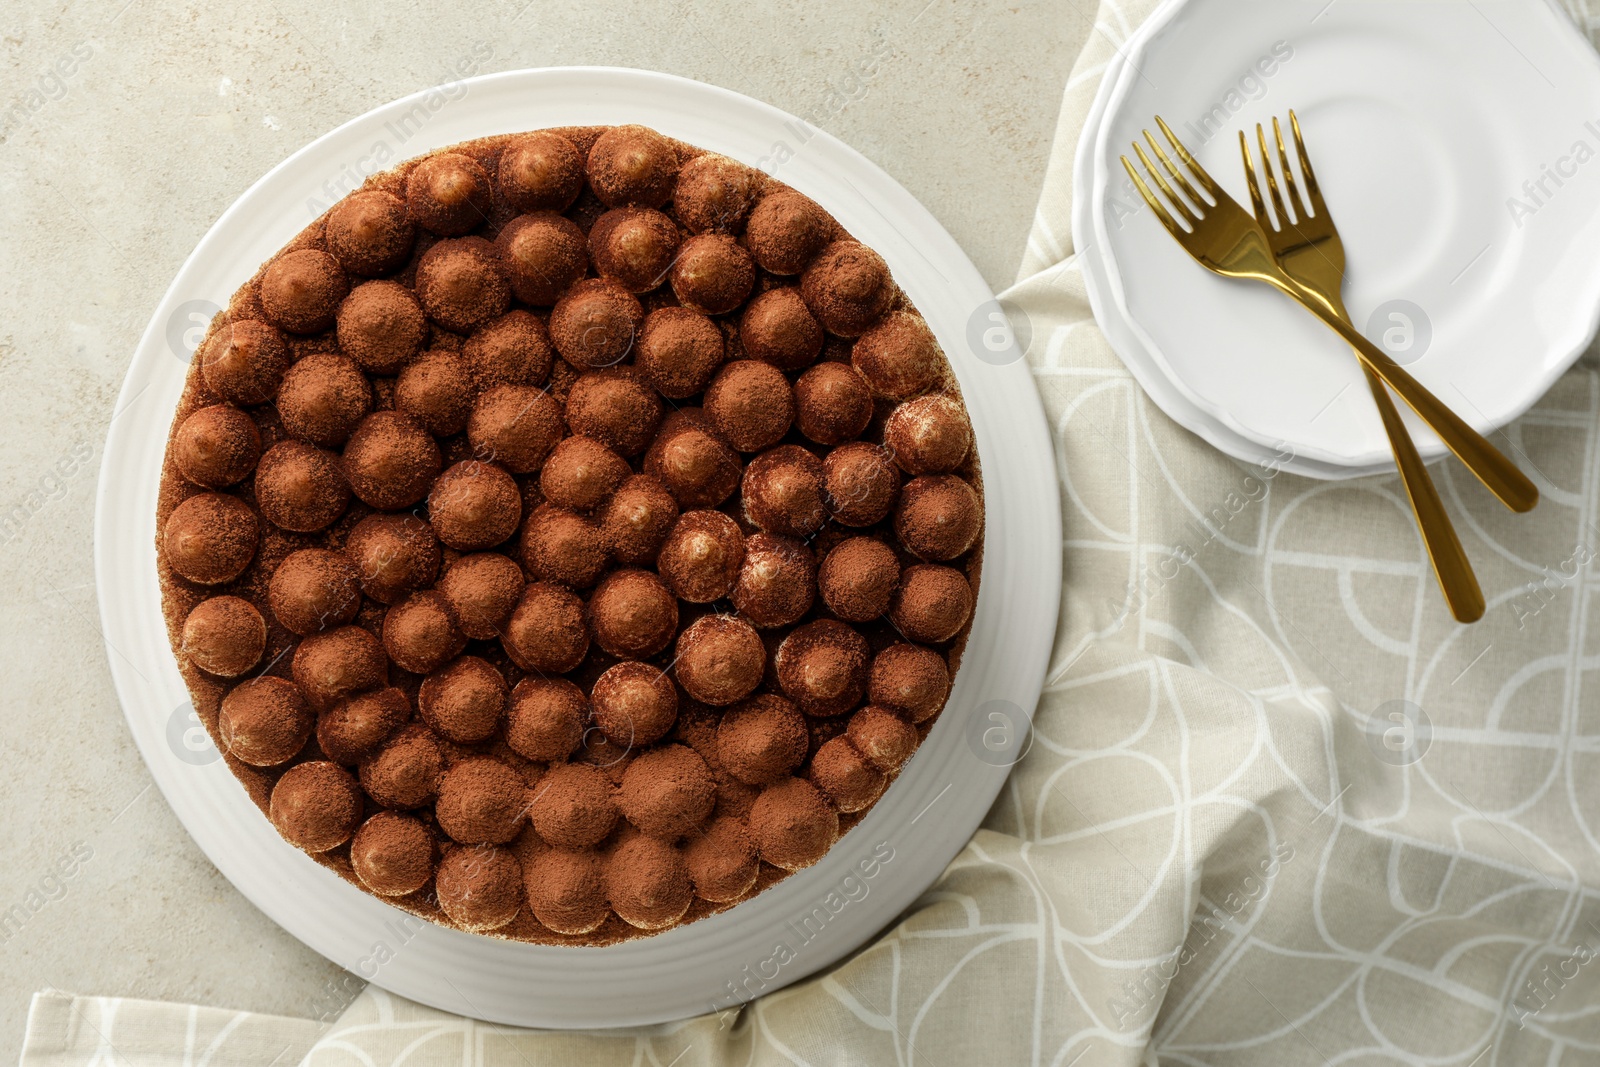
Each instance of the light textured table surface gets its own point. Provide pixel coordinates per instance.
(126, 128)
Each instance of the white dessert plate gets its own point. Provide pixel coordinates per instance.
(822, 913)
(1124, 337)
(1452, 139)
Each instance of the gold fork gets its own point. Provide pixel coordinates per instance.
(1226, 239)
(1307, 246)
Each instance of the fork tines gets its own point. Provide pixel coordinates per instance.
(1192, 209)
(1309, 206)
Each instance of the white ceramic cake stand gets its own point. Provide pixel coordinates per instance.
(920, 823)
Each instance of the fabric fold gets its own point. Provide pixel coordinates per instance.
(66, 1030)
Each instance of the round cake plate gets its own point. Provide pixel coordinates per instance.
(818, 915)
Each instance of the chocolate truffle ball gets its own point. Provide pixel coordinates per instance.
(616, 408)
(543, 254)
(405, 770)
(777, 583)
(857, 578)
(540, 171)
(910, 681)
(634, 703)
(391, 461)
(882, 737)
(782, 491)
(632, 165)
(720, 660)
(546, 632)
(566, 890)
(369, 233)
(481, 802)
(462, 285)
(847, 287)
(562, 546)
(353, 728)
(314, 589)
(647, 882)
(335, 664)
(474, 506)
(301, 291)
(779, 329)
(713, 274)
(216, 446)
(210, 538)
(264, 721)
(515, 426)
(572, 806)
(514, 349)
(633, 614)
(483, 589)
(323, 398)
(394, 555)
(714, 193)
(696, 467)
(701, 557)
(224, 636)
(679, 351)
(786, 231)
(581, 473)
(634, 247)
(479, 887)
(899, 357)
(300, 487)
(594, 322)
(792, 824)
(822, 666)
(546, 718)
(762, 740)
(939, 517)
(244, 361)
(421, 633)
(600, 751)
(932, 603)
(381, 326)
(316, 805)
(751, 405)
(929, 435)
(436, 390)
(832, 403)
(860, 484)
(393, 854)
(448, 193)
(667, 792)
(635, 521)
(722, 861)
(848, 779)
(463, 701)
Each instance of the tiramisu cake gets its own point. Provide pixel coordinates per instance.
(569, 534)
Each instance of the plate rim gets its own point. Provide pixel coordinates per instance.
(1021, 553)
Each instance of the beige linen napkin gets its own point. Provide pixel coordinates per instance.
(69, 1031)
(1279, 808)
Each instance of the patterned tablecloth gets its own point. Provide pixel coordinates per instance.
(1278, 808)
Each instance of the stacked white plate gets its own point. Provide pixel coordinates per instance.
(1457, 143)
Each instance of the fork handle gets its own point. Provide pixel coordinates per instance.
(1450, 564)
(1486, 462)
